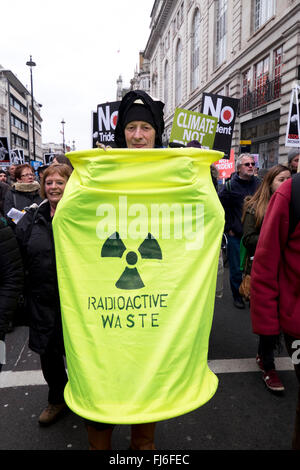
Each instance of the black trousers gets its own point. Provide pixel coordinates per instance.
(54, 372)
(266, 347)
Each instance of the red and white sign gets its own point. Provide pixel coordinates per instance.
(225, 166)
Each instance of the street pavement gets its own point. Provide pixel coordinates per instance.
(242, 415)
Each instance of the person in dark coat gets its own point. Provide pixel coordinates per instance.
(34, 234)
(11, 279)
(11, 179)
(243, 183)
(24, 192)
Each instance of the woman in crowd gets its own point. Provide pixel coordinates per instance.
(253, 215)
(24, 192)
(34, 234)
(293, 160)
(63, 160)
(3, 176)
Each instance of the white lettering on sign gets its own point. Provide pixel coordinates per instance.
(108, 120)
(196, 123)
(226, 114)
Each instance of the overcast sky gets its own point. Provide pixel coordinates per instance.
(80, 49)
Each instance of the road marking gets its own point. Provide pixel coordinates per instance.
(10, 379)
(227, 366)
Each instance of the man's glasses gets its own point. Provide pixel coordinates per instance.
(249, 164)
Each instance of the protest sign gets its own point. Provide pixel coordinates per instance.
(48, 158)
(104, 123)
(226, 166)
(4, 152)
(224, 109)
(189, 125)
(292, 138)
(17, 157)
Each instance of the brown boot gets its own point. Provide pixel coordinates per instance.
(52, 413)
(99, 440)
(142, 436)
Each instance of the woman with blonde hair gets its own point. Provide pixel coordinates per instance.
(253, 215)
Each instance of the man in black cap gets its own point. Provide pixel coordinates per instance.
(140, 121)
(140, 125)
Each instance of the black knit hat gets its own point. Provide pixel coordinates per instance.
(138, 112)
(137, 105)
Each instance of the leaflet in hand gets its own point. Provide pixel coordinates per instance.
(15, 214)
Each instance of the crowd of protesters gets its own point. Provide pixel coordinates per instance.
(257, 214)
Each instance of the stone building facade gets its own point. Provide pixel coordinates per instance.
(245, 49)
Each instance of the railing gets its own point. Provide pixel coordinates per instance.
(264, 94)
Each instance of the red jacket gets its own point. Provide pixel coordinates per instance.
(275, 274)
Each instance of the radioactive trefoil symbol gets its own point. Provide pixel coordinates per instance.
(130, 278)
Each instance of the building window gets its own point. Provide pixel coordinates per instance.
(174, 27)
(178, 84)
(154, 77)
(263, 10)
(261, 72)
(221, 13)
(180, 15)
(166, 84)
(154, 83)
(19, 142)
(18, 123)
(277, 71)
(277, 62)
(246, 82)
(261, 80)
(195, 59)
(17, 105)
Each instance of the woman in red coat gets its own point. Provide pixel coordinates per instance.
(253, 215)
(275, 280)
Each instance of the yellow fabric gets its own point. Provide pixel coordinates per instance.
(137, 309)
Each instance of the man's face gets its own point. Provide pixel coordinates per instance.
(139, 134)
(3, 177)
(246, 170)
